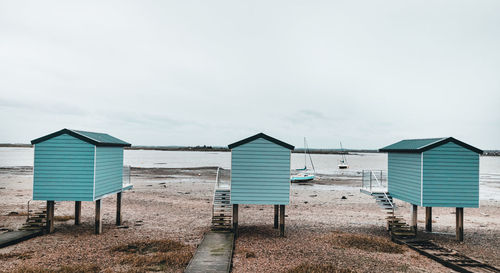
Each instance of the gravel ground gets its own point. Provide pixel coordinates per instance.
(176, 204)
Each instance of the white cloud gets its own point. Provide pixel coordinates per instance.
(192, 72)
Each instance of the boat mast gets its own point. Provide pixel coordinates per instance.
(342, 150)
(310, 158)
(305, 157)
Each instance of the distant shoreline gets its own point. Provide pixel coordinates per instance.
(213, 149)
(225, 149)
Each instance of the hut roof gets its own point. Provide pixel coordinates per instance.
(424, 144)
(264, 136)
(98, 139)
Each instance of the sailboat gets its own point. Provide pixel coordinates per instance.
(304, 174)
(343, 161)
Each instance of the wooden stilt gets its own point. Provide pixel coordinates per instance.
(235, 219)
(119, 209)
(98, 220)
(282, 220)
(50, 216)
(78, 212)
(276, 214)
(428, 219)
(460, 224)
(414, 209)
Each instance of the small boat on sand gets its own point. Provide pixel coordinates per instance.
(304, 174)
(343, 161)
(302, 177)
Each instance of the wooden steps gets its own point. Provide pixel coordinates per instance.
(448, 257)
(222, 211)
(36, 221)
(396, 224)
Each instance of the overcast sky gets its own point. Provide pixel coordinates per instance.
(368, 73)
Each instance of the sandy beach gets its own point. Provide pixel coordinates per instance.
(175, 204)
(139, 107)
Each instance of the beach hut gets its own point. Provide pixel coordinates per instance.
(71, 165)
(434, 172)
(260, 174)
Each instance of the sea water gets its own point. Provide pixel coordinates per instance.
(323, 163)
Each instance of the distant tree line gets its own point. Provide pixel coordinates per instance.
(206, 148)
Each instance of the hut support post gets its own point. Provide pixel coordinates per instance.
(78, 212)
(50, 216)
(460, 224)
(276, 214)
(98, 220)
(428, 219)
(119, 209)
(282, 220)
(235, 219)
(414, 209)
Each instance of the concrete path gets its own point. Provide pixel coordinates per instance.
(213, 254)
(14, 237)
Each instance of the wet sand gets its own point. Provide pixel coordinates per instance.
(176, 204)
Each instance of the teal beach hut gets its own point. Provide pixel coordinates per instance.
(434, 172)
(260, 174)
(72, 165)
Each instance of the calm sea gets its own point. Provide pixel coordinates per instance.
(323, 163)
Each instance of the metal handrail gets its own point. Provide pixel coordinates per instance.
(217, 180)
(385, 193)
(126, 176)
(379, 183)
(29, 210)
(376, 179)
(372, 174)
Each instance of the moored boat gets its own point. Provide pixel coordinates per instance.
(302, 177)
(304, 174)
(343, 161)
